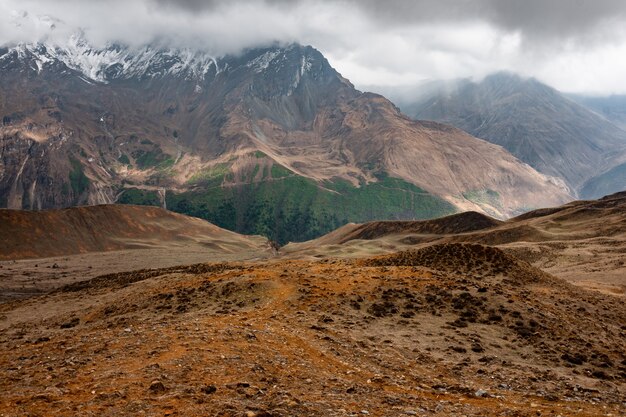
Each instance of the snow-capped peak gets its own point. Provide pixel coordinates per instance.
(116, 61)
(121, 62)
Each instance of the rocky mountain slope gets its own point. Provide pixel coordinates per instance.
(535, 123)
(612, 107)
(273, 141)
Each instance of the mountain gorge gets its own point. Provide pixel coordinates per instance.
(534, 122)
(273, 141)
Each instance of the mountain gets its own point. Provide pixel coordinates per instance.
(272, 141)
(533, 121)
(613, 108)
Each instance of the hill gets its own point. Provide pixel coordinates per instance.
(41, 234)
(583, 241)
(449, 330)
(42, 250)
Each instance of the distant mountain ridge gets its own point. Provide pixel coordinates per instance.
(612, 107)
(533, 121)
(273, 141)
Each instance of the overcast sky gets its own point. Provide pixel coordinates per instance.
(573, 45)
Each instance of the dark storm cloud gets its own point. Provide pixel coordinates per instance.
(533, 18)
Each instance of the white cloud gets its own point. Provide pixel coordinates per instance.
(576, 48)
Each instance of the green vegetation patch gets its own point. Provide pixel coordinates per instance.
(140, 197)
(279, 171)
(154, 158)
(294, 208)
(124, 159)
(483, 197)
(78, 180)
(210, 177)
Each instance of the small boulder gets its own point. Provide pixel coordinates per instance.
(481, 393)
(72, 323)
(208, 389)
(157, 387)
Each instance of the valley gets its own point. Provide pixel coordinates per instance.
(261, 208)
(463, 315)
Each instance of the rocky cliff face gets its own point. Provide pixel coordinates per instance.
(271, 134)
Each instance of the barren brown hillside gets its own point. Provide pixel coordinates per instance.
(583, 241)
(40, 251)
(411, 334)
(401, 318)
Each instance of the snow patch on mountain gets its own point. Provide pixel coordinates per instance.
(262, 62)
(119, 62)
(115, 61)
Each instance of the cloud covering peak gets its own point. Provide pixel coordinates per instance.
(575, 45)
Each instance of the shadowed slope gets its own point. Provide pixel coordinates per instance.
(534, 122)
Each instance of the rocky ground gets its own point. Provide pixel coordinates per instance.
(448, 330)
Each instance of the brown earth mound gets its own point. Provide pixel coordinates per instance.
(37, 234)
(583, 241)
(469, 221)
(588, 209)
(460, 258)
(503, 235)
(122, 279)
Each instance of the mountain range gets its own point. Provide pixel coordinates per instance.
(541, 126)
(273, 141)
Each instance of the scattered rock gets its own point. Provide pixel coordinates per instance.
(481, 393)
(72, 323)
(157, 387)
(208, 389)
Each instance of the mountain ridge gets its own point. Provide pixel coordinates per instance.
(271, 121)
